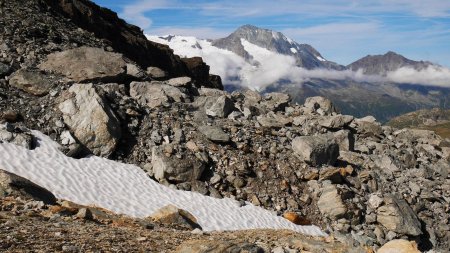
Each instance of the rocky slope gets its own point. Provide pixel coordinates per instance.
(436, 119)
(364, 183)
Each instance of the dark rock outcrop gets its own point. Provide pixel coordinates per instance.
(128, 39)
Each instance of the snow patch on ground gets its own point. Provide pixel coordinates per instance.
(293, 50)
(126, 189)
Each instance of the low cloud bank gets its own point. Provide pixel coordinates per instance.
(267, 68)
(432, 75)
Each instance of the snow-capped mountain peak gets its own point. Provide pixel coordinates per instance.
(306, 56)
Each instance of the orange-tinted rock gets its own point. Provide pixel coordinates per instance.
(399, 246)
(296, 219)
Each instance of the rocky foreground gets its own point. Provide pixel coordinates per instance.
(364, 183)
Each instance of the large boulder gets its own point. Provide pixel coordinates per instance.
(316, 150)
(85, 64)
(32, 82)
(90, 119)
(174, 169)
(154, 94)
(12, 184)
(397, 216)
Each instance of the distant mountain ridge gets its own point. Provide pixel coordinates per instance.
(382, 64)
(268, 61)
(306, 56)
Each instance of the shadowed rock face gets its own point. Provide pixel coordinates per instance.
(125, 38)
(12, 184)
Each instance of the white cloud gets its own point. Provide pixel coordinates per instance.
(135, 12)
(432, 75)
(269, 68)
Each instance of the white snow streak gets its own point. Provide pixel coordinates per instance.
(128, 190)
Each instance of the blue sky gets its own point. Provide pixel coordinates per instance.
(342, 30)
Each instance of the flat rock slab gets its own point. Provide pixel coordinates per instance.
(214, 133)
(85, 64)
(32, 82)
(336, 122)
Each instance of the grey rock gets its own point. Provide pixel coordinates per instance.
(135, 71)
(86, 64)
(174, 169)
(156, 73)
(90, 119)
(209, 92)
(179, 81)
(367, 128)
(275, 101)
(316, 150)
(13, 184)
(175, 216)
(272, 120)
(207, 246)
(154, 94)
(336, 122)
(20, 138)
(221, 107)
(214, 133)
(345, 139)
(32, 82)
(330, 203)
(4, 70)
(84, 213)
(313, 104)
(397, 216)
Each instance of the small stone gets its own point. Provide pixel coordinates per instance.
(375, 201)
(296, 219)
(192, 146)
(156, 73)
(84, 213)
(172, 215)
(179, 81)
(214, 133)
